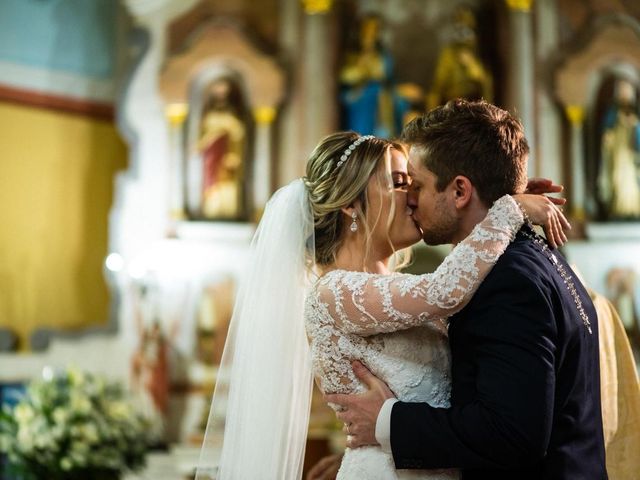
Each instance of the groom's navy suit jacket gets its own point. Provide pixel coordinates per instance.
(525, 400)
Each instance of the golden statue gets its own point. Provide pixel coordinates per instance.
(619, 176)
(460, 72)
(221, 143)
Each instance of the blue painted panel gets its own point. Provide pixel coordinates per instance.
(75, 36)
(10, 393)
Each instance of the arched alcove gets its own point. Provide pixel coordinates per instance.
(609, 46)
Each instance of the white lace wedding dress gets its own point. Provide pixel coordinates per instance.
(395, 325)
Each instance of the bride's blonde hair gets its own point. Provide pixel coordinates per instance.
(332, 187)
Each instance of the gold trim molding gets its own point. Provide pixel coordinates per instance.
(317, 7)
(519, 5)
(575, 114)
(264, 115)
(176, 113)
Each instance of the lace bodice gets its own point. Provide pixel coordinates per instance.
(396, 325)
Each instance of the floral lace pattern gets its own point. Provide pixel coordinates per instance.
(396, 325)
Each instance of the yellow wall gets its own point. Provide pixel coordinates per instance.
(56, 189)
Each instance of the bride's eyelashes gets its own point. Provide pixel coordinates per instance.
(400, 180)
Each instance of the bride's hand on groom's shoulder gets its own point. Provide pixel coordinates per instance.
(359, 412)
(540, 186)
(541, 210)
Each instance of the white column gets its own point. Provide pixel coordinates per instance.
(176, 114)
(291, 151)
(575, 114)
(140, 214)
(319, 83)
(262, 178)
(549, 160)
(521, 70)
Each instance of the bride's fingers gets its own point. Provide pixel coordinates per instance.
(543, 185)
(557, 200)
(549, 232)
(563, 221)
(563, 236)
(537, 185)
(556, 230)
(559, 234)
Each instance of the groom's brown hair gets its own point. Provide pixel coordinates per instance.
(476, 139)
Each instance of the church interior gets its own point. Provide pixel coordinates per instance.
(145, 137)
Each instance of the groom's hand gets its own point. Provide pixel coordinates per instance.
(359, 413)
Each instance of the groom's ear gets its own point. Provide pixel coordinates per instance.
(462, 190)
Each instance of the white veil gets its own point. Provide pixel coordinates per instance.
(263, 393)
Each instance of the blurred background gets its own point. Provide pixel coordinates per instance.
(141, 139)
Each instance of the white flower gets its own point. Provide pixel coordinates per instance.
(75, 376)
(66, 464)
(89, 433)
(25, 439)
(80, 403)
(23, 413)
(45, 441)
(119, 410)
(60, 415)
(79, 452)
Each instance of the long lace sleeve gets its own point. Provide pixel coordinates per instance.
(366, 304)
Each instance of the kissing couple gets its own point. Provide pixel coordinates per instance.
(486, 368)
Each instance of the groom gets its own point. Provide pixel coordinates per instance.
(525, 400)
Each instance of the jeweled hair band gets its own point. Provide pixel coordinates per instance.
(349, 150)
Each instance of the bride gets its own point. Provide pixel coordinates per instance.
(320, 292)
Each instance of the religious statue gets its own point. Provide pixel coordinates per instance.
(221, 144)
(150, 360)
(619, 175)
(214, 315)
(621, 289)
(371, 104)
(459, 71)
(150, 366)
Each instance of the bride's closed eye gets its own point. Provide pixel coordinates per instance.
(401, 180)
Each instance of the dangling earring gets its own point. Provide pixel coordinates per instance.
(354, 225)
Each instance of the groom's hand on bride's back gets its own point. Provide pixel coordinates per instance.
(359, 412)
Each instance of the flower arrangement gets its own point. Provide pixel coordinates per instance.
(73, 426)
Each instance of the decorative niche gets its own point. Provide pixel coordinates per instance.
(597, 83)
(221, 98)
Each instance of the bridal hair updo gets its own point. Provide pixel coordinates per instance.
(332, 187)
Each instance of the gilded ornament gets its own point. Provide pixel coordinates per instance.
(264, 115)
(317, 7)
(176, 113)
(575, 114)
(520, 5)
